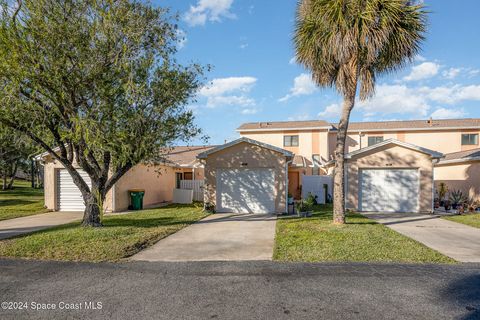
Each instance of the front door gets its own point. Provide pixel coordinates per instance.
(294, 184)
(178, 178)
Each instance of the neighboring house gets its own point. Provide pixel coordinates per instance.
(391, 166)
(397, 157)
(158, 181)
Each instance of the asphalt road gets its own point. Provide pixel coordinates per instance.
(239, 290)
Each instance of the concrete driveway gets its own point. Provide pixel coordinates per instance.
(218, 237)
(14, 227)
(456, 240)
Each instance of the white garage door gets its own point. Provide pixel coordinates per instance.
(246, 190)
(389, 190)
(69, 196)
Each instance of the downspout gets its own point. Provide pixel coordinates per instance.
(360, 139)
(113, 198)
(286, 184)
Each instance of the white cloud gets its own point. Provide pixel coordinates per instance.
(451, 73)
(443, 113)
(473, 72)
(181, 38)
(243, 46)
(395, 99)
(249, 111)
(209, 10)
(424, 70)
(216, 101)
(231, 91)
(293, 60)
(402, 99)
(221, 86)
(331, 111)
(302, 85)
(453, 94)
(420, 58)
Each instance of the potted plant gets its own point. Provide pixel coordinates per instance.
(472, 205)
(457, 198)
(303, 209)
(290, 198)
(436, 203)
(446, 205)
(442, 192)
(209, 207)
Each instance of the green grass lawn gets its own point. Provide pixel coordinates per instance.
(21, 201)
(121, 236)
(468, 219)
(361, 239)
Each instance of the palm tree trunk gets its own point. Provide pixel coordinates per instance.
(339, 174)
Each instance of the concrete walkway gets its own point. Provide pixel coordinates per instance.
(14, 227)
(456, 240)
(218, 237)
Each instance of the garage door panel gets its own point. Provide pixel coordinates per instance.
(389, 190)
(245, 190)
(69, 196)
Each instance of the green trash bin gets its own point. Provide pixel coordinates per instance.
(136, 198)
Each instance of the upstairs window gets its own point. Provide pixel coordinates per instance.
(290, 141)
(374, 140)
(469, 139)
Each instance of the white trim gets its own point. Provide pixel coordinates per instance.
(204, 154)
(461, 160)
(432, 153)
(285, 129)
(413, 129)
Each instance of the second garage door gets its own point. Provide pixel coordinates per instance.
(69, 196)
(246, 190)
(389, 190)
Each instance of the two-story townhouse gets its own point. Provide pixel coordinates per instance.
(390, 166)
(313, 144)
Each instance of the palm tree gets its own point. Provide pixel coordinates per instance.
(346, 44)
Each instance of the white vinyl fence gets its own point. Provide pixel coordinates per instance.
(196, 186)
(318, 186)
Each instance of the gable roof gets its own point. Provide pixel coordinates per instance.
(407, 125)
(429, 124)
(433, 154)
(204, 154)
(284, 125)
(184, 156)
(461, 156)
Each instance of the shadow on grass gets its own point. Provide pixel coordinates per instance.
(324, 212)
(143, 219)
(15, 202)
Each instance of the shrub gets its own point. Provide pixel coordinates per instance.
(209, 207)
(311, 199)
(457, 197)
(303, 206)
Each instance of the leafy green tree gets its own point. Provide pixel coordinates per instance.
(95, 83)
(16, 151)
(347, 44)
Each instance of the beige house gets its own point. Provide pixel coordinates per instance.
(314, 141)
(391, 166)
(158, 181)
(246, 176)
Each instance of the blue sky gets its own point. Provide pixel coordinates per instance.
(249, 45)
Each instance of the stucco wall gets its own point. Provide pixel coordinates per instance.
(158, 182)
(255, 157)
(463, 176)
(310, 141)
(391, 156)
